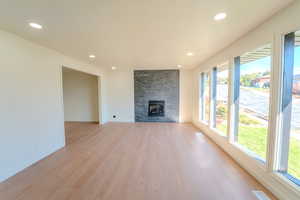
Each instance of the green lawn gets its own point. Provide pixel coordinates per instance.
(255, 139)
(294, 158)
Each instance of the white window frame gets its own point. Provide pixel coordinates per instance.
(234, 114)
(214, 81)
(213, 96)
(201, 97)
(282, 144)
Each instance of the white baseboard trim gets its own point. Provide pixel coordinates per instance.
(277, 185)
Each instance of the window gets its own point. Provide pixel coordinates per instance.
(290, 108)
(220, 85)
(201, 97)
(252, 76)
(204, 97)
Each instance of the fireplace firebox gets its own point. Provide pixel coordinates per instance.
(156, 109)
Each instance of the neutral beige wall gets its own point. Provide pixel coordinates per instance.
(80, 96)
(186, 96)
(31, 103)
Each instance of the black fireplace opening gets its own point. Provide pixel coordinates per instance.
(156, 109)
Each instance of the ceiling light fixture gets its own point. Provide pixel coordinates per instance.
(190, 54)
(92, 56)
(220, 16)
(113, 68)
(35, 25)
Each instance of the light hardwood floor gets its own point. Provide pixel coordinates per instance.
(126, 161)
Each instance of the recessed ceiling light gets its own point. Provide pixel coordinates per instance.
(220, 16)
(190, 54)
(113, 68)
(179, 66)
(35, 25)
(92, 56)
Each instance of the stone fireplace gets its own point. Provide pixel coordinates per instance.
(156, 95)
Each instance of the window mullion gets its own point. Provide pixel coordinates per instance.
(202, 111)
(213, 95)
(230, 105)
(236, 97)
(286, 104)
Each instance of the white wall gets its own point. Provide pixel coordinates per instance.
(269, 32)
(120, 94)
(186, 96)
(103, 98)
(31, 111)
(80, 92)
(31, 102)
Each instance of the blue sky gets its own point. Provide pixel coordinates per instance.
(264, 64)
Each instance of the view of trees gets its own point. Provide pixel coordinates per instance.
(253, 106)
(247, 80)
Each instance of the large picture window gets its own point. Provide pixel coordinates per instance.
(201, 96)
(245, 89)
(206, 97)
(290, 108)
(252, 93)
(220, 85)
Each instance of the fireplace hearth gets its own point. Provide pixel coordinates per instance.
(156, 109)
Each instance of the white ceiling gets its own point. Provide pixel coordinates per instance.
(136, 33)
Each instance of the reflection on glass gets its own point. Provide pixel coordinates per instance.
(255, 79)
(294, 148)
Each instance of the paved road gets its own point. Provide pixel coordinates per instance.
(259, 102)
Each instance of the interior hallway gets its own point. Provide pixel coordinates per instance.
(141, 161)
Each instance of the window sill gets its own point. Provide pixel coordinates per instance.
(251, 154)
(285, 179)
(219, 132)
(258, 168)
(261, 162)
(291, 178)
(204, 122)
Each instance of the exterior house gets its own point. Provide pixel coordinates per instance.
(262, 82)
(296, 85)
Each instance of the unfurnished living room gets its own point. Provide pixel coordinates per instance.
(149, 100)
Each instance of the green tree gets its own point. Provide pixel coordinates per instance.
(247, 79)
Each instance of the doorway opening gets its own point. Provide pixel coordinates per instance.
(81, 103)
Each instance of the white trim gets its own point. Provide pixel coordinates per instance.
(222, 134)
(231, 106)
(100, 118)
(212, 101)
(276, 184)
(272, 32)
(62, 101)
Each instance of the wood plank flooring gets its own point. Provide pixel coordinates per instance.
(127, 161)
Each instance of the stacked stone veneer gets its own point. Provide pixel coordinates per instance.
(156, 85)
